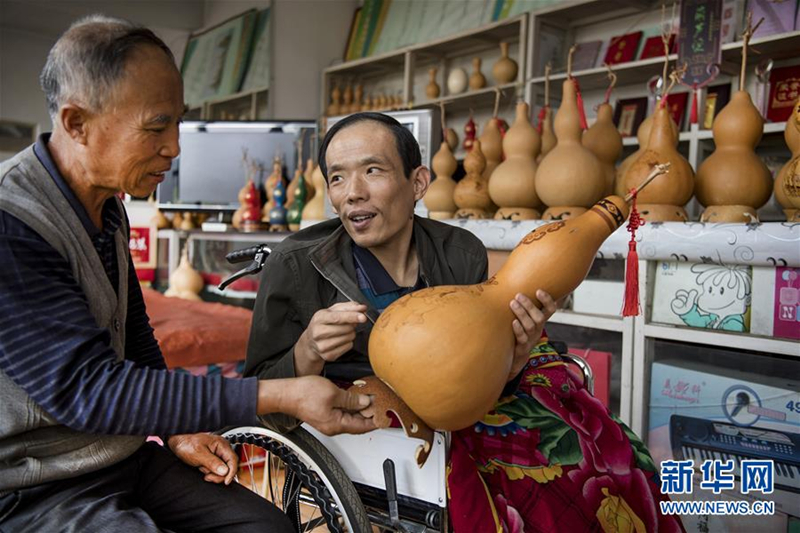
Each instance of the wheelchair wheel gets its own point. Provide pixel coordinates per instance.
(297, 474)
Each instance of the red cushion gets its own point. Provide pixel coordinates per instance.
(197, 333)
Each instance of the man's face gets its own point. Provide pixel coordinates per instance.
(367, 187)
(132, 141)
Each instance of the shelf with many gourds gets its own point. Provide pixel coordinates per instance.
(430, 74)
(525, 178)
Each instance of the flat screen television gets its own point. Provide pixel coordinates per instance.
(210, 170)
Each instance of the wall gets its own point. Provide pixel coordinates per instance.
(308, 35)
(29, 29)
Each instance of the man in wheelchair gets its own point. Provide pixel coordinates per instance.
(549, 456)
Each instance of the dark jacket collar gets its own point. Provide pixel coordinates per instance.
(333, 259)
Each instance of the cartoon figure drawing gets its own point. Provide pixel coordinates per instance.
(723, 302)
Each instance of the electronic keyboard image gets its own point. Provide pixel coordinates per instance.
(700, 439)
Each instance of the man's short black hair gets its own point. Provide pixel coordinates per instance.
(407, 147)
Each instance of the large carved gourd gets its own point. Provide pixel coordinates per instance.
(604, 140)
(642, 135)
(439, 198)
(733, 182)
(569, 179)
(663, 200)
(512, 185)
(471, 194)
(788, 180)
(447, 351)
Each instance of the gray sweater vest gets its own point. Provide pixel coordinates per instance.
(34, 447)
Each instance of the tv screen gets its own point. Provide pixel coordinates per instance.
(211, 169)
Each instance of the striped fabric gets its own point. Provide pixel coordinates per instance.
(51, 347)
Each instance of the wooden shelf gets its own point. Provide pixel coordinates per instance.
(742, 341)
(776, 47)
(597, 78)
(482, 98)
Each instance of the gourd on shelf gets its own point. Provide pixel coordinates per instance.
(788, 180)
(604, 140)
(512, 185)
(733, 182)
(439, 198)
(505, 69)
(471, 194)
(642, 135)
(431, 342)
(477, 80)
(315, 208)
(569, 179)
(432, 89)
(664, 199)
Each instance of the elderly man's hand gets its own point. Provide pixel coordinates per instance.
(211, 454)
(318, 401)
(528, 326)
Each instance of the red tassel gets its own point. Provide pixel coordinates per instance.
(693, 114)
(542, 115)
(631, 305)
(581, 112)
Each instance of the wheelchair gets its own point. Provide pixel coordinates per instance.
(347, 483)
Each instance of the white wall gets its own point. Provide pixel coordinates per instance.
(29, 29)
(308, 35)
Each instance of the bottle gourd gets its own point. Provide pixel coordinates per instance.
(447, 351)
(734, 182)
(512, 185)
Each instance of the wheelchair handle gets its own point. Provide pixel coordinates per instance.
(246, 254)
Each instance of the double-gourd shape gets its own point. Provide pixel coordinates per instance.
(471, 194)
(664, 198)
(315, 208)
(734, 182)
(604, 140)
(569, 179)
(439, 198)
(447, 351)
(787, 184)
(642, 135)
(512, 185)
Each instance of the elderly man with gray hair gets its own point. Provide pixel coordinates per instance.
(82, 380)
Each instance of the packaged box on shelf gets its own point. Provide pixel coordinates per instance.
(703, 295)
(598, 297)
(776, 302)
(701, 411)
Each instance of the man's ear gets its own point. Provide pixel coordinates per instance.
(421, 180)
(73, 120)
